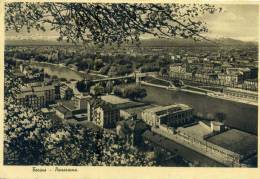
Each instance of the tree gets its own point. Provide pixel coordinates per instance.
(98, 63)
(84, 86)
(97, 90)
(109, 87)
(109, 23)
(163, 71)
(133, 92)
(32, 139)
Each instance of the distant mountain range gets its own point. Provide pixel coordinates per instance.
(177, 42)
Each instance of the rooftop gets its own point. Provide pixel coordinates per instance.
(62, 109)
(197, 130)
(69, 105)
(236, 141)
(82, 115)
(114, 99)
(43, 88)
(45, 110)
(26, 88)
(252, 80)
(138, 110)
(178, 107)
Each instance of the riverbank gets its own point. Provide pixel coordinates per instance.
(237, 115)
(62, 71)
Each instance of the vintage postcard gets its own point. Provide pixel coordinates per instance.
(129, 89)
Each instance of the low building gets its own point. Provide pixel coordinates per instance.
(63, 112)
(245, 72)
(250, 84)
(172, 115)
(242, 94)
(228, 146)
(68, 110)
(177, 68)
(47, 112)
(32, 74)
(240, 143)
(126, 106)
(231, 79)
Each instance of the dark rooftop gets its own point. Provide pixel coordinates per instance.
(236, 141)
(62, 109)
(69, 105)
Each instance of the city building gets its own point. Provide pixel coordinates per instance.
(31, 74)
(250, 84)
(63, 112)
(49, 92)
(81, 101)
(125, 106)
(177, 68)
(240, 93)
(102, 113)
(36, 96)
(231, 79)
(31, 99)
(65, 92)
(172, 115)
(68, 110)
(246, 72)
(230, 147)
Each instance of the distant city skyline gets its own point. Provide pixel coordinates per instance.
(235, 21)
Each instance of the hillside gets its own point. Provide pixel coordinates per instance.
(177, 42)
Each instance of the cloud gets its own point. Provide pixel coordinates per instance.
(236, 21)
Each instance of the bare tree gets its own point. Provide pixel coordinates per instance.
(109, 23)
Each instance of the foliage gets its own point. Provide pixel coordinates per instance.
(109, 23)
(32, 139)
(84, 86)
(97, 90)
(133, 92)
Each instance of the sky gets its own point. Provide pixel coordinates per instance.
(235, 21)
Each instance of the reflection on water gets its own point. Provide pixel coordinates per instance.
(237, 115)
(59, 71)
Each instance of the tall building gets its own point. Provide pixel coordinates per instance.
(36, 96)
(31, 99)
(172, 115)
(102, 113)
(81, 101)
(66, 92)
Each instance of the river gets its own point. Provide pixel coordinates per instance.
(237, 115)
(62, 71)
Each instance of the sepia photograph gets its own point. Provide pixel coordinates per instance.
(131, 84)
